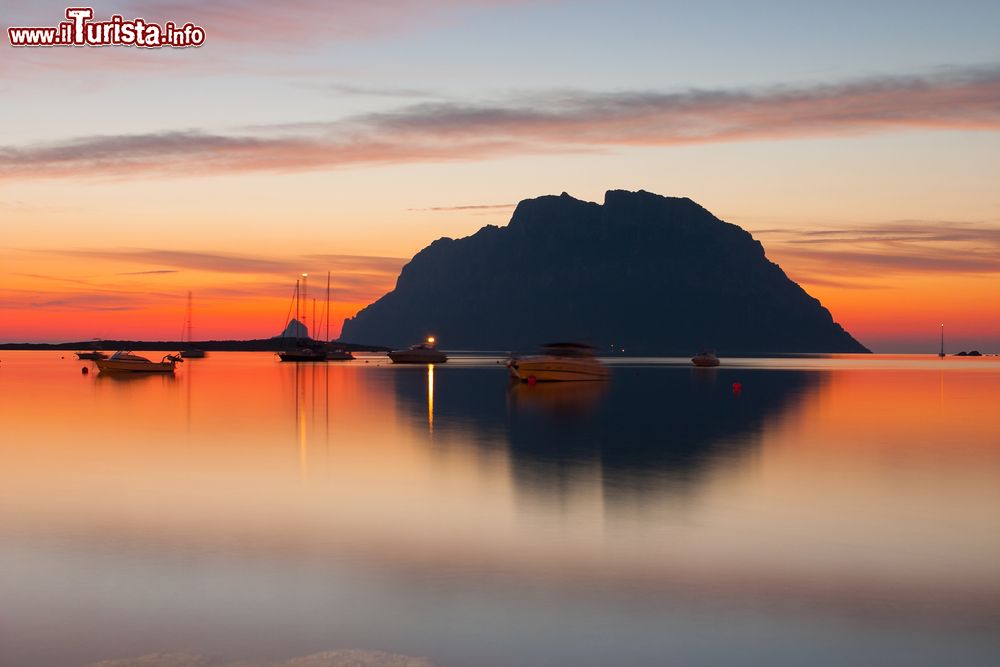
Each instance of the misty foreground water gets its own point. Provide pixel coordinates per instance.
(834, 511)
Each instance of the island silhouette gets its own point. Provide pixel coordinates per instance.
(642, 273)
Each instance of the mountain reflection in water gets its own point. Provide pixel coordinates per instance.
(834, 511)
(647, 427)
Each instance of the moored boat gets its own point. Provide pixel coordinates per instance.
(424, 353)
(559, 362)
(93, 354)
(303, 354)
(124, 361)
(337, 354)
(705, 359)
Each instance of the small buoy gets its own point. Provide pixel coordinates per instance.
(737, 387)
(84, 370)
(532, 380)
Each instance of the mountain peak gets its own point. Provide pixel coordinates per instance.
(644, 272)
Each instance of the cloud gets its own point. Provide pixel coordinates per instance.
(341, 658)
(181, 259)
(569, 121)
(91, 301)
(377, 91)
(843, 257)
(354, 278)
(466, 207)
(148, 273)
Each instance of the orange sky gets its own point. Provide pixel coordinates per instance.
(344, 139)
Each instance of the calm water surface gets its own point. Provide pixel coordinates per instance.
(835, 511)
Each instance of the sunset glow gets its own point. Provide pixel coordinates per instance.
(345, 139)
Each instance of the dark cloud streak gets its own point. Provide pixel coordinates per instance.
(569, 121)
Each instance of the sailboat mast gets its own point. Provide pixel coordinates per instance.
(298, 322)
(189, 338)
(305, 297)
(941, 353)
(328, 307)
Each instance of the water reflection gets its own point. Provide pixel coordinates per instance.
(648, 428)
(843, 515)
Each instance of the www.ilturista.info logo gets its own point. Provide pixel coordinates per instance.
(80, 30)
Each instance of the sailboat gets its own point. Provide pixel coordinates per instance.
(333, 354)
(190, 351)
(303, 350)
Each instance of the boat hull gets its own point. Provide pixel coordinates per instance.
(705, 362)
(112, 366)
(421, 357)
(91, 356)
(339, 355)
(557, 369)
(193, 354)
(311, 357)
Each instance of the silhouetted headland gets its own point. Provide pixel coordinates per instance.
(256, 345)
(642, 273)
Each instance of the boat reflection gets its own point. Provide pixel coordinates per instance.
(557, 397)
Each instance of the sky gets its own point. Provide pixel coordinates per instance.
(858, 141)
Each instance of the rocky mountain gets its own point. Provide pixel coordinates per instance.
(642, 272)
(295, 329)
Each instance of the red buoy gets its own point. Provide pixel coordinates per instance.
(532, 380)
(737, 387)
(84, 370)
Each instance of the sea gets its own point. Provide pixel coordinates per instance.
(802, 510)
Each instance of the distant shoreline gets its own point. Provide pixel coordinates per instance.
(259, 345)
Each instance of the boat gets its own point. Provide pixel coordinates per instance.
(333, 353)
(338, 354)
(124, 361)
(305, 350)
(303, 354)
(93, 354)
(559, 362)
(423, 353)
(190, 351)
(705, 359)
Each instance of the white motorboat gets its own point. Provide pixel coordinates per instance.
(424, 353)
(124, 361)
(706, 359)
(559, 362)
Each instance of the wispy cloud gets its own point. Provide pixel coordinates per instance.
(467, 207)
(148, 273)
(377, 91)
(967, 99)
(182, 259)
(844, 257)
(354, 278)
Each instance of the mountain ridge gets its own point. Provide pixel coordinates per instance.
(641, 272)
